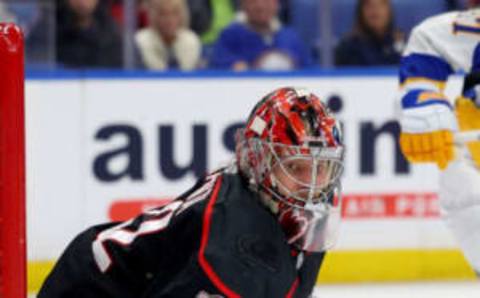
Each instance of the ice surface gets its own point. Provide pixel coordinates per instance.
(397, 290)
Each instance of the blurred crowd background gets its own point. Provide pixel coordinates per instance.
(235, 35)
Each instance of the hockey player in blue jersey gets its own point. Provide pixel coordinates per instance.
(437, 48)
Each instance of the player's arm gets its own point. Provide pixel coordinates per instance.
(427, 118)
(121, 260)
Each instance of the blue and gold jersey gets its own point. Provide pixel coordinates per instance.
(438, 47)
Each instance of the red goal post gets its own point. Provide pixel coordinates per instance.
(12, 164)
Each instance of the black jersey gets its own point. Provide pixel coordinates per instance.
(216, 240)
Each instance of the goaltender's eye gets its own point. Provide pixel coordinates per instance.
(292, 167)
(297, 167)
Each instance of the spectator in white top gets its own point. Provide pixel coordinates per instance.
(167, 43)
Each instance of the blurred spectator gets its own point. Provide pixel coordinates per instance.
(209, 17)
(87, 36)
(6, 16)
(167, 43)
(257, 40)
(38, 22)
(27, 12)
(374, 40)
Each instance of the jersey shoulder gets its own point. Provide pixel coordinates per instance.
(453, 23)
(451, 37)
(444, 19)
(431, 32)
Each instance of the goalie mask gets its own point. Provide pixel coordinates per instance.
(292, 153)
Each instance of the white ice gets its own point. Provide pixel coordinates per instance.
(401, 290)
(398, 290)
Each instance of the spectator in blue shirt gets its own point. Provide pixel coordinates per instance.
(374, 39)
(257, 40)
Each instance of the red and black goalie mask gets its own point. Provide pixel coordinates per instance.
(292, 152)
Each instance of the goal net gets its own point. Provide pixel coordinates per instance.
(12, 164)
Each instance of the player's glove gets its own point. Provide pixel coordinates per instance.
(427, 126)
(468, 111)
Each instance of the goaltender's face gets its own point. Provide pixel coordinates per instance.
(302, 177)
(311, 225)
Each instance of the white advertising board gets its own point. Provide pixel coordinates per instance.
(99, 149)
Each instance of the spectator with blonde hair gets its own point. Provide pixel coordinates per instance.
(167, 43)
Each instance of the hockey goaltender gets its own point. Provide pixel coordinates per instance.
(258, 228)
